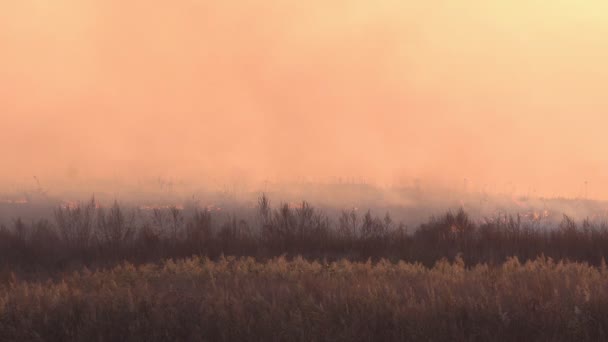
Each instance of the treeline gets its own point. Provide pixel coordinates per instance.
(91, 235)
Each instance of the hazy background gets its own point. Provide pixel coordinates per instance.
(509, 95)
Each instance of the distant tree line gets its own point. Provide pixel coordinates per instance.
(96, 236)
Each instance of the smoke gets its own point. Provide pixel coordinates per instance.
(507, 95)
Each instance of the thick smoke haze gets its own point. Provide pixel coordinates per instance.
(504, 94)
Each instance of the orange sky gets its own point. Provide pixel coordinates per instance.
(492, 91)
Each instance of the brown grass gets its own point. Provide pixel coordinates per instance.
(279, 300)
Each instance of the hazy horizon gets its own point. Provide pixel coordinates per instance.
(487, 95)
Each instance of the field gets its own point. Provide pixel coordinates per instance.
(287, 273)
(279, 300)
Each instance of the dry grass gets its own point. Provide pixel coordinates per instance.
(279, 300)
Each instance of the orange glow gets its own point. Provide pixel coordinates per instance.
(215, 92)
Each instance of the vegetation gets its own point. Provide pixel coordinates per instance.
(93, 236)
(114, 274)
(279, 300)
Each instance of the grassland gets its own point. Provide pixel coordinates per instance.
(279, 300)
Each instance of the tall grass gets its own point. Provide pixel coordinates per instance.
(239, 299)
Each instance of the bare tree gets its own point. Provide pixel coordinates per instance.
(198, 228)
(75, 224)
(114, 227)
(177, 220)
